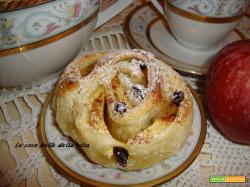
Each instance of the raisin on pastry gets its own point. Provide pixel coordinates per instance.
(132, 109)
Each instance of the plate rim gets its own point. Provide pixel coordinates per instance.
(190, 71)
(67, 172)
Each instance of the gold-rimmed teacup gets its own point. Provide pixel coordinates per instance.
(201, 25)
(39, 38)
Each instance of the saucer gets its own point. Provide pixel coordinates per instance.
(70, 160)
(67, 157)
(148, 30)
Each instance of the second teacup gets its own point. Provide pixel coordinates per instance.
(202, 24)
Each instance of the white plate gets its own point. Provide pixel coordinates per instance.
(72, 161)
(146, 29)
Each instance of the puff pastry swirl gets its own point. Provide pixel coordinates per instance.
(131, 108)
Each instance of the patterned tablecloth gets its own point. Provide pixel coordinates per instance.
(19, 114)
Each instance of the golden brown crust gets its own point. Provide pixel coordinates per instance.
(124, 99)
(72, 74)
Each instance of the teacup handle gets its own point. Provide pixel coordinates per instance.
(111, 11)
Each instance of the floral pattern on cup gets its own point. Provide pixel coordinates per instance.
(39, 23)
(212, 8)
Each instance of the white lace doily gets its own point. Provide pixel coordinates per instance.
(28, 166)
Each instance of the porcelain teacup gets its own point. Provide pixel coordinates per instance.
(39, 40)
(201, 24)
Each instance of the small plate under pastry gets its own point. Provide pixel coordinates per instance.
(66, 155)
(148, 30)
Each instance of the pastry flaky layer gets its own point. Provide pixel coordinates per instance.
(132, 109)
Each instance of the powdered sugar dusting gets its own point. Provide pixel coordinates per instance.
(139, 92)
(138, 72)
(72, 71)
(127, 65)
(123, 100)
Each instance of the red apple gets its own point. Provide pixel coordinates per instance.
(228, 91)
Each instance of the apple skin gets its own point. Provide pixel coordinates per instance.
(228, 91)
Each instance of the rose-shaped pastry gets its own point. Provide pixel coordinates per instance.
(132, 109)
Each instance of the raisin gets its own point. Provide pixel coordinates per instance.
(142, 66)
(121, 155)
(120, 107)
(177, 98)
(139, 92)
